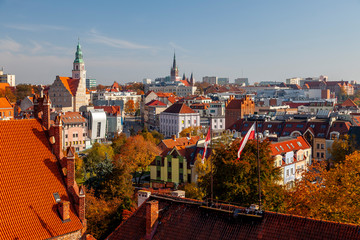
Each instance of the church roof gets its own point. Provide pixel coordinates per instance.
(78, 55)
(29, 177)
(71, 84)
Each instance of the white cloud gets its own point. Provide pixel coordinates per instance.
(9, 45)
(34, 27)
(114, 42)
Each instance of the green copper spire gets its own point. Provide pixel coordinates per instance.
(78, 55)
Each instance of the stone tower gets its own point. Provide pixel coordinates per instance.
(79, 72)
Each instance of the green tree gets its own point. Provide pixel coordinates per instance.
(237, 180)
(340, 148)
(194, 131)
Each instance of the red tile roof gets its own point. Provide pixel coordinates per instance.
(3, 86)
(180, 108)
(4, 103)
(155, 103)
(168, 144)
(114, 110)
(189, 219)
(289, 145)
(71, 84)
(348, 103)
(72, 117)
(29, 175)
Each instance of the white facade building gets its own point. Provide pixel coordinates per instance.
(176, 118)
(97, 125)
(7, 78)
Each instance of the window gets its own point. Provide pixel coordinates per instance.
(322, 146)
(281, 148)
(169, 163)
(181, 165)
(322, 155)
(317, 155)
(169, 175)
(98, 129)
(299, 143)
(287, 172)
(10, 113)
(300, 126)
(318, 146)
(66, 136)
(158, 173)
(288, 125)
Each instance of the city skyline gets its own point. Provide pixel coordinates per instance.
(124, 42)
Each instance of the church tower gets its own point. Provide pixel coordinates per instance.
(79, 72)
(174, 73)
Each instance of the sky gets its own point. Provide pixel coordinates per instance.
(127, 41)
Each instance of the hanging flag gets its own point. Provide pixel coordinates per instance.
(249, 135)
(207, 141)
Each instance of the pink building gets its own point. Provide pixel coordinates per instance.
(75, 130)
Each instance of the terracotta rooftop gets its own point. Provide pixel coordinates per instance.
(182, 141)
(29, 176)
(4, 103)
(3, 86)
(71, 84)
(72, 117)
(180, 219)
(114, 110)
(348, 103)
(289, 145)
(180, 108)
(155, 103)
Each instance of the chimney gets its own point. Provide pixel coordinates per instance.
(36, 106)
(188, 135)
(81, 206)
(143, 196)
(173, 137)
(152, 213)
(70, 166)
(64, 210)
(57, 147)
(46, 113)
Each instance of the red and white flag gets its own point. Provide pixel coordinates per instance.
(207, 141)
(249, 135)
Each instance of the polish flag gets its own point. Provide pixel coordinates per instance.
(249, 135)
(207, 141)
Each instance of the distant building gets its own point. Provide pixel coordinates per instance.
(114, 120)
(237, 108)
(97, 125)
(223, 81)
(75, 131)
(6, 110)
(7, 78)
(242, 81)
(69, 93)
(176, 118)
(90, 83)
(146, 81)
(211, 80)
(294, 80)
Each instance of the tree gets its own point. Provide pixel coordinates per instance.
(328, 194)
(117, 143)
(24, 90)
(100, 87)
(157, 136)
(194, 131)
(8, 94)
(237, 180)
(130, 106)
(137, 154)
(340, 148)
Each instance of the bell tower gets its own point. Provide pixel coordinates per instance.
(79, 72)
(174, 73)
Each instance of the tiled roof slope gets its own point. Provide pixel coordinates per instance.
(72, 117)
(180, 220)
(289, 145)
(71, 84)
(155, 103)
(29, 176)
(4, 103)
(180, 108)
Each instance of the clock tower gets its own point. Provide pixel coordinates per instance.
(79, 72)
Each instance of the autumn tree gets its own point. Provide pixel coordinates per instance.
(340, 148)
(8, 94)
(117, 143)
(130, 106)
(328, 194)
(237, 180)
(194, 131)
(137, 154)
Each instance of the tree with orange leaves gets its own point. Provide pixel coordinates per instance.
(137, 154)
(328, 194)
(130, 106)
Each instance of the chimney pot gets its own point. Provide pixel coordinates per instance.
(173, 137)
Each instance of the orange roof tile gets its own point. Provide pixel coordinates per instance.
(29, 176)
(72, 117)
(71, 84)
(183, 141)
(4, 103)
(3, 86)
(289, 145)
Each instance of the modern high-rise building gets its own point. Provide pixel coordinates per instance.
(90, 83)
(242, 81)
(211, 80)
(223, 81)
(7, 78)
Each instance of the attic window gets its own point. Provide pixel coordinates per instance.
(292, 145)
(288, 146)
(299, 144)
(277, 149)
(281, 148)
(57, 197)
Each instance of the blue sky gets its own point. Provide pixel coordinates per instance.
(130, 40)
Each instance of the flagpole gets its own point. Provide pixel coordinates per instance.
(211, 168)
(258, 160)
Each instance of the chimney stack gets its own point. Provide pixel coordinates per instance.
(81, 206)
(152, 214)
(64, 210)
(58, 138)
(70, 167)
(46, 112)
(173, 137)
